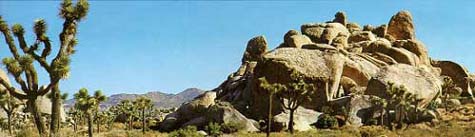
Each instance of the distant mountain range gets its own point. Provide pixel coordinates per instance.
(160, 100)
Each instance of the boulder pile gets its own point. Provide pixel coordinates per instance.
(349, 64)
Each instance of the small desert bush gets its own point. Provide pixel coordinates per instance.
(327, 121)
(189, 131)
(232, 127)
(27, 132)
(213, 129)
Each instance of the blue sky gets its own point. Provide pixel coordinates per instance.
(140, 46)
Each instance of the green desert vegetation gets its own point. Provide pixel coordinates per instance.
(330, 79)
(21, 64)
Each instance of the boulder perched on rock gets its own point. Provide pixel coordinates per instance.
(340, 17)
(256, 47)
(401, 26)
(457, 73)
(297, 41)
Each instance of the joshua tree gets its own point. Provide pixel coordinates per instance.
(449, 90)
(271, 89)
(21, 65)
(75, 115)
(381, 104)
(9, 104)
(110, 117)
(143, 104)
(126, 108)
(89, 105)
(401, 101)
(297, 92)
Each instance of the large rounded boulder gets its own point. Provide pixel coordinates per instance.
(417, 80)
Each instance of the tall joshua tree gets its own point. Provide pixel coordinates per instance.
(271, 89)
(297, 92)
(143, 104)
(89, 105)
(61, 101)
(9, 104)
(21, 65)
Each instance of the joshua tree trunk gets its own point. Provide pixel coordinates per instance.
(98, 124)
(37, 117)
(143, 121)
(269, 118)
(89, 124)
(55, 110)
(382, 116)
(9, 116)
(291, 121)
(130, 123)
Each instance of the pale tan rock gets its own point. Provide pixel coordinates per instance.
(457, 73)
(416, 80)
(359, 36)
(401, 26)
(352, 27)
(297, 41)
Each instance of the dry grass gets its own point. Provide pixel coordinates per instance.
(459, 122)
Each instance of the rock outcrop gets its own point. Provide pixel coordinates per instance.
(349, 65)
(401, 26)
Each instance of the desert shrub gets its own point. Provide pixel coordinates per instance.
(232, 127)
(327, 121)
(375, 131)
(371, 121)
(433, 105)
(188, 131)
(213, 129)
(27, 132)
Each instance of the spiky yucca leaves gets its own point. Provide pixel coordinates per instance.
(381, 104)
(127, 108)
(21, 67)
(297, 92)
(75, 116)
(89, 104)
(291, 95)
(9, 104)
(401, 101)
(144, 105)
(271, 89)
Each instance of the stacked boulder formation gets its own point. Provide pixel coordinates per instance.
(348, 64)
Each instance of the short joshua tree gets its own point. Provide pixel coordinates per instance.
(89, 105)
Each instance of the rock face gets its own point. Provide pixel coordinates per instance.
(401, 26)
(349, 66)
(202, 110)
(417, 81)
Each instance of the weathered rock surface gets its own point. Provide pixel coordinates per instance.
(256, 47)
(401, 26)
(349, 65)
(457, 73)
(202, 110)
(416, 80)
(303, 119)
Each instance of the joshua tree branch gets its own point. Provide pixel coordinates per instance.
(11, 44)
(12, 90)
